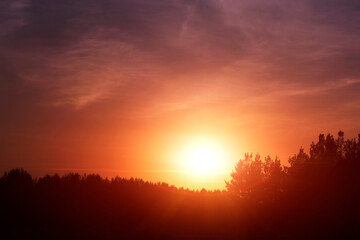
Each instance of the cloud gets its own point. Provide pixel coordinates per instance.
(83, 52)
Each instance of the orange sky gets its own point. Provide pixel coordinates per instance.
(121, 87)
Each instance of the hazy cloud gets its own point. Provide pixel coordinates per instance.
(85, 51)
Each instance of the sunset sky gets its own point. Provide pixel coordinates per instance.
(127, 87)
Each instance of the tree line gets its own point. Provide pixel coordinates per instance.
(315, 196)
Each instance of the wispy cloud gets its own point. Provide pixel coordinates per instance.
(91, 50)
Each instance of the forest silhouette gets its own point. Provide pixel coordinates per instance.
(316, 195)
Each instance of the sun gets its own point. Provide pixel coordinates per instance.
(203, 156)
(203, 159)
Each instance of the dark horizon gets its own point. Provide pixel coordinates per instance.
(315, 197)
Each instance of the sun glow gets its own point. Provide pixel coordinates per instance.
(203, 159)
(203, 156)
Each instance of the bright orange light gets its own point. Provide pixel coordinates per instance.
(203, 159)
(202, 156)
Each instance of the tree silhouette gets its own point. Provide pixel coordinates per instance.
(316, 196)
(252, 176)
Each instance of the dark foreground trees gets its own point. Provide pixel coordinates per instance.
(317, 196)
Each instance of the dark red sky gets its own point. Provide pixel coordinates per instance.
(121, 85)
